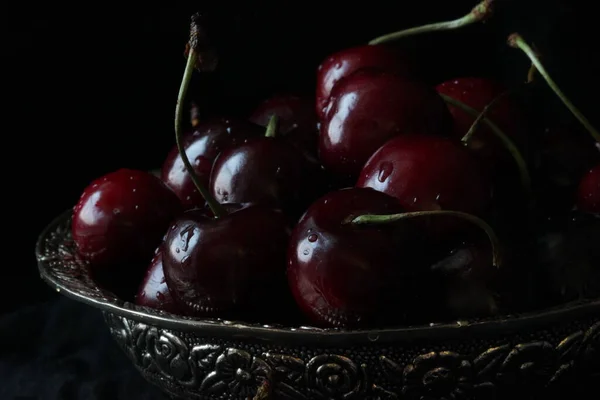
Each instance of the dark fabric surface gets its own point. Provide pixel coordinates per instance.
(62, 350)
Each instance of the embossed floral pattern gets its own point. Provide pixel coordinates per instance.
(169, 354)
(528, 365)
(334, 377)
(287, 375)
(236, 372)
(438, 376)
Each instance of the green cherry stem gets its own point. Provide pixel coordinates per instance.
(479, 13)
(372, 219)
(473, 128)
(272, 126)
(516, 40)
(192, 60)
(524, 175)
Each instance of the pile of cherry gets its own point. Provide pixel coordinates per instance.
(367, 206)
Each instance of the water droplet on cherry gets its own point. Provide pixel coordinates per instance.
(385, 171)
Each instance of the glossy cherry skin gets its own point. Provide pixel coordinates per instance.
(369, 108)
(297, 120)
(477, 93)
(588, 194)
(347, 61)
(263, 170)
(347, 276)
(153, 291)
(121, 218)
(202, 146)
(223, 267)
(427, 172)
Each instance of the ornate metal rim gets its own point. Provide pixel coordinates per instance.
(305, 335)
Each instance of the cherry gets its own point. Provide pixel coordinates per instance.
(427, 172)
(202, 146)
(122, 217)
(345, 62)
(478, 92)
(340, 274)
(588, 194)
(153, 291)
(264, 170)
(219, 267)
(370, 107)
(355, 258)
(468, 280)
(297, 120)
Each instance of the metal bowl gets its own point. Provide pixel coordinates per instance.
(546, 353)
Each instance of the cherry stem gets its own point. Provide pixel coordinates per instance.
(272, 126)
(479, 13)
(368, 219)
(192, 60)
(524, 175)
(516, 40)
(532, 72)
(482, 114)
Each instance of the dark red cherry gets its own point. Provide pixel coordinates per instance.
(343, 275)
(153, 291)
(468, 280)
(477, 93)
(588, 194)
(202, 146)
(220, 267)
(427, 172)
(263, 170)
(297, 120)
(345, 62)
(121, 218)
(369, 108)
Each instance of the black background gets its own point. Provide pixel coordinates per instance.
(91, 88)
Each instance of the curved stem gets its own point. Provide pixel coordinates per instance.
(214, 205)
(482, 114)
(524, 175)
(272, 126)
(369, 219)
(515, 40)
(479, 13)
